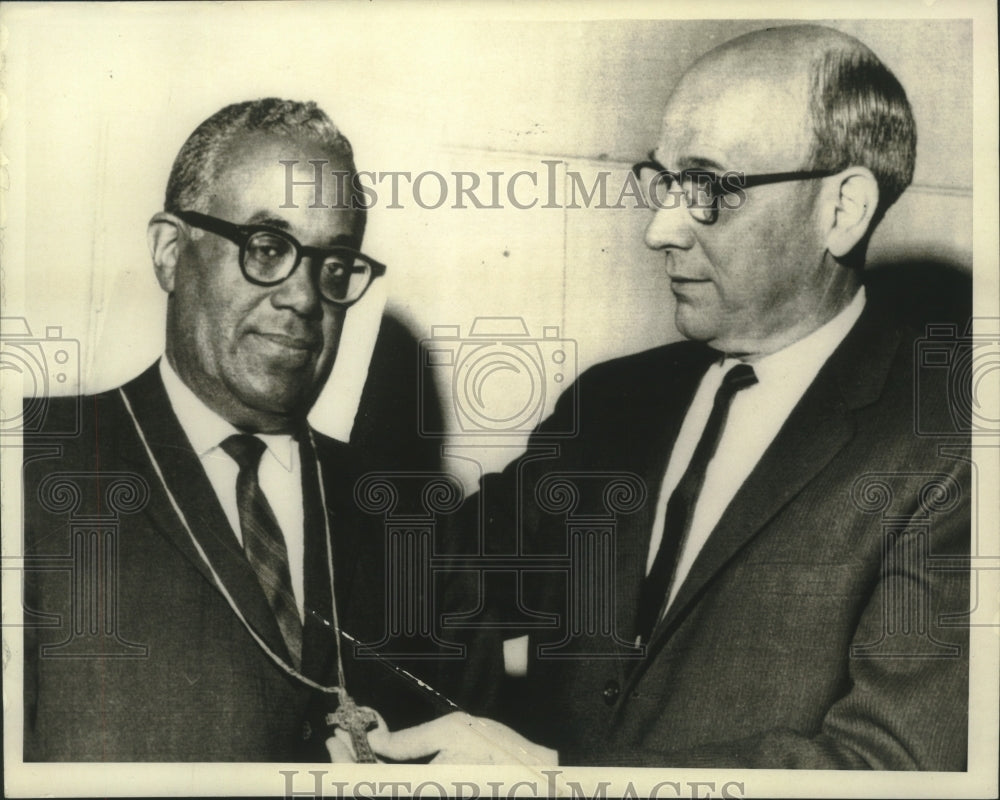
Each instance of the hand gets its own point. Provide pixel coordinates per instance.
(460, 739)
(340, 752)
(341, 744)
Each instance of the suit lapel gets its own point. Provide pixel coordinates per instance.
(817, 429)
(663, 409)
(184, 475)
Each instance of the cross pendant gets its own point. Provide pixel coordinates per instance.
(357, 721)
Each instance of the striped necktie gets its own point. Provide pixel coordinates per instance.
(263, 542)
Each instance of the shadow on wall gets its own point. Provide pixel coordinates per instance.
(923, 292)
(394, 398)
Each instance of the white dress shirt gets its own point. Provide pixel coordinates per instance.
(279, 474)
(756, 414)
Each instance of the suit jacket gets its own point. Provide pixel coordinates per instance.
(822, 624)
(131, 650)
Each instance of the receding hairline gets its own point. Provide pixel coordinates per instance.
(784, 59)
(786, 47)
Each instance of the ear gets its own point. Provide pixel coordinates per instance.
(854, 207)
(163, 236)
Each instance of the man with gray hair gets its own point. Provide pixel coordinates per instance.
(216, 552)
(793, 594)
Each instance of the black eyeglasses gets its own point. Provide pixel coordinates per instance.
(269, 256)
(705, 190)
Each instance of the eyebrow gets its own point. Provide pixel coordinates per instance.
(691, 162)
(265, 218)
(695, 162)
(348, 240)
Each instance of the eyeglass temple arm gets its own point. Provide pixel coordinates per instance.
(213, 225)
(749, 181)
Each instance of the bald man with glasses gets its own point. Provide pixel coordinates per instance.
(787, 586)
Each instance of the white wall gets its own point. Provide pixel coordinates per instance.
(104, 95)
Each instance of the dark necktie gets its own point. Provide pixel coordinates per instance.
(262, 540)
(680, 508)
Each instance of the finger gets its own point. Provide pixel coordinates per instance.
(380, 729)
(379, 721)
(339, 752)
(486, 741)
(346, 742)
(463, 757)
(420, 740)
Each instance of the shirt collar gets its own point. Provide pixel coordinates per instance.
(205, 429)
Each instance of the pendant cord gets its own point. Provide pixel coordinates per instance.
(340, 689)
(329, 560)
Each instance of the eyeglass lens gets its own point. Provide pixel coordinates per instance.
(270, 258)
(696, 190)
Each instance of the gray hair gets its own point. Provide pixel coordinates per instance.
(861, 117)
(200, 160)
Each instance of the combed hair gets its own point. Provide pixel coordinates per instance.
(200, 159)
(861, 117)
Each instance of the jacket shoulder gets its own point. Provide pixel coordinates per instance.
(65, 419)
(648, 374)
(676, 355)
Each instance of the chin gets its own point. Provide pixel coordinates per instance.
(696, 326)
(279, 400)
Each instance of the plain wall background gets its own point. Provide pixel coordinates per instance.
(108, 93)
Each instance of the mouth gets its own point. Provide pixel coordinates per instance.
(306, 344)
(680, 282)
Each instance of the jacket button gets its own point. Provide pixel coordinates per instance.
(611, 691)
(307, 731)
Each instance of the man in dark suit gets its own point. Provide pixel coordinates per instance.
(187, 533)
(764, 548)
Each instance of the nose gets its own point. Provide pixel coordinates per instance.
(300, 291)
(670, 228)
